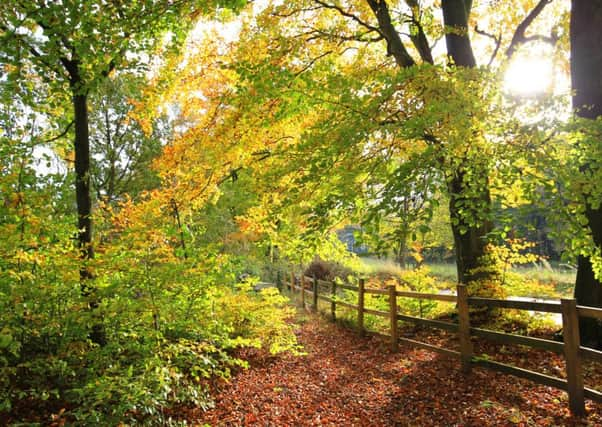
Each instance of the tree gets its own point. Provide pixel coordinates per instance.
(121, 150)
(468, 183)
(586, 63)
(413, 102)
(399, 208)
(470, 239)
(75, 45)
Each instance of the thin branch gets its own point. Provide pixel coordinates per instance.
(60, 135)
(316, 33)
(176, 212)
(347, 14)
(198, 193)
(34, 52)
(552, 39)
(312, 62)
(263, 155)
(496, 39)
(294, 12)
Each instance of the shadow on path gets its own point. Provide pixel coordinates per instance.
(346, 380)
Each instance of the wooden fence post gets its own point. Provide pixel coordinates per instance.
(574, 373)
(302, 291)
(292, 283)
(278, 281)
(464, 329)
(393, 316)
(315, 295)
(360, 307)
(333, 304)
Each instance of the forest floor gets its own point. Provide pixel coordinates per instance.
(348, 380)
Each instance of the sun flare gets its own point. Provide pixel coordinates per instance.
(529, 76)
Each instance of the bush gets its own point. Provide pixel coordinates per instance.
(326, 270)
(170, 327)
(420, 280)
(172, 316)
(258, 319)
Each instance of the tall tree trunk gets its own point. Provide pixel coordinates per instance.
(586, 66)
(455, 19)
(82, 182)
(470, 240)
(395, 46)
(82, 195)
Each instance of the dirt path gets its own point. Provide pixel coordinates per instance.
(345, 380)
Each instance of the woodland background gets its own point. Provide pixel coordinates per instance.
(154, 153)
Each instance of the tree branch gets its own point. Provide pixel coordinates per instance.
(312, 62)
(59, 136)
(347, 14)
(519, 38)
(496, 39)
(419, 38)
(32, 49)
(261, 155)
(317, 33)
(395, 46)
(294, 12)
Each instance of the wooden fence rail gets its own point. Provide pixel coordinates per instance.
(570, 347)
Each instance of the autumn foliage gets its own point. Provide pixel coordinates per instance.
(213, 147)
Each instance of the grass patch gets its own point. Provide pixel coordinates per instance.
(535, 282)
(376, 266)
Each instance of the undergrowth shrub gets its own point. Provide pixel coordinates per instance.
(171, 325)
(327, 270)
(142, 370)
(135, 382)
(258, 318)
(420, 280)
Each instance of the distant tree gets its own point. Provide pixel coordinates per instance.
(121, 150)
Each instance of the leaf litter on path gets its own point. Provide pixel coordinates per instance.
(348, 380)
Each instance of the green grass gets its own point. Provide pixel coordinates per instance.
(372, 266)
(546, 275)
(563, 280)
(444, 271)
(540, 282)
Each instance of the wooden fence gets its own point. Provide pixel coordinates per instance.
(573, 352)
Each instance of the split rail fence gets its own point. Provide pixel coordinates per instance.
(311, 290)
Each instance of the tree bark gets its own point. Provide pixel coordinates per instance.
(83, 197)
(82, 182)
(586, 63)
(470, 241)
(395, 46)
(455, 19)
(418, 36)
